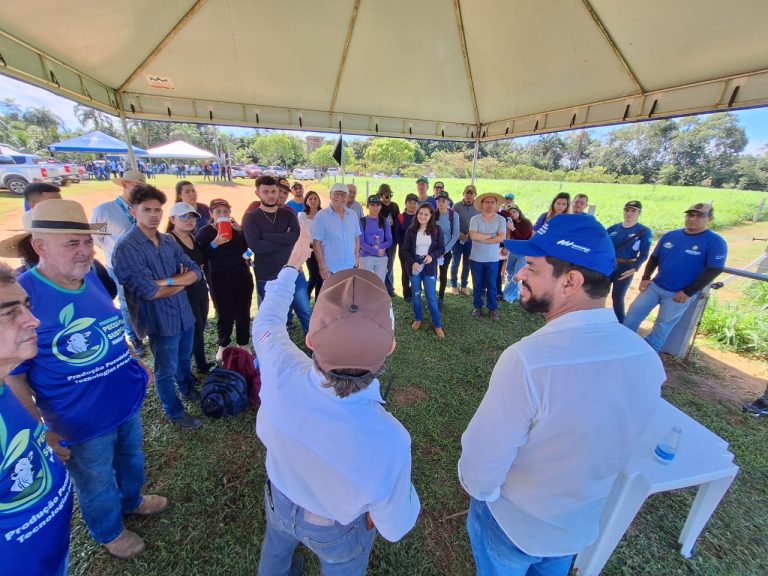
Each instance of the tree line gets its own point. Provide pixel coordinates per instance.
(698, 150)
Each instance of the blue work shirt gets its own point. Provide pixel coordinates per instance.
(631, 243)
(138, 263)
(682, 257)
(338, 237)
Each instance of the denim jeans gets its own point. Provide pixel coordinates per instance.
(669, 314)
(300, 303)
(484, 282)
(429, 291)
(129, 331)
(619, 290)
(343, 549)
(108, 473)
(173, 361)
(460, 251)
(515, 263)
(496, 555)
(375, 264)
(390, 280)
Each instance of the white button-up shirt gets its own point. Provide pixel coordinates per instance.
(335, 457)
(563, 410)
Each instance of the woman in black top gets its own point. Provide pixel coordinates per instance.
(231, 281)
(181, 225)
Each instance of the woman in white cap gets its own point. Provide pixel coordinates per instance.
(181, 225)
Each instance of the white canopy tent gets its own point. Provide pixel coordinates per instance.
(181, 150)
(472, 70)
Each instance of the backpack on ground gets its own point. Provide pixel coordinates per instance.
(224, 393)
(244, 363)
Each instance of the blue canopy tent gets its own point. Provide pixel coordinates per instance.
(97, 142)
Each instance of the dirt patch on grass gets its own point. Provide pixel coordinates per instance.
(408, 396)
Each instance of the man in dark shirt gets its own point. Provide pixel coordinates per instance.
(402, 223)
(270, 232)
(391, 212)
(154, 271)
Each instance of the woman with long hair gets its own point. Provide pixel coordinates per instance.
(182, 223)
(559, 205)
(312, 206)
(422, 247)
(185, 192)
(518, 228)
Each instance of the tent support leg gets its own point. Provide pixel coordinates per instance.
(127, 137)
(474, 159)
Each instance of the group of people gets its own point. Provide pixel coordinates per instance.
(538, 458)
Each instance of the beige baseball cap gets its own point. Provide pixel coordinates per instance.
(352, 325)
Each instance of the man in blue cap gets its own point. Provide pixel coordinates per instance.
(563, 410)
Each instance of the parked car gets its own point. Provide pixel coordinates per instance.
(239, 172)
(55, 170)
(277, 171)
(15, 177)
(304, 173)
(333, 172)
(254, 170)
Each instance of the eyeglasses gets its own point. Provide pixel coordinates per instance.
(186, 217)
(385, 196)
(438, 187)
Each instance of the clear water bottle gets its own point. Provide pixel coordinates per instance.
(666, 449)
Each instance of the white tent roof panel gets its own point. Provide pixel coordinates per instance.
(458, 69)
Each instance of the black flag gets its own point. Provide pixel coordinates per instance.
(338, 151)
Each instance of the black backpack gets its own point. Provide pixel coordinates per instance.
(224, 393)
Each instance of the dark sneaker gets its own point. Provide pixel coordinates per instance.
(477, 313)
(191, 396)
(203, 370)
(759, 407)
(494, 316)
(187, 421)
(138, 347)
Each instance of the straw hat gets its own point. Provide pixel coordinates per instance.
(480, 197)
(50, 217)
(130, 175)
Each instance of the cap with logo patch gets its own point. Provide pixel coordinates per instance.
(636, 204)
(422, 179)
(575, 238)
(702, 208)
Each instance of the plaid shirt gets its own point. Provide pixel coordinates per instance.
(138, 264)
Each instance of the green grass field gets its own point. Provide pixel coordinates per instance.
(214, 476)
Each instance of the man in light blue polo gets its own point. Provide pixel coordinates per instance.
(336, 235)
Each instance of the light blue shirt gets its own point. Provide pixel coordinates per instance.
(444, 221)
(338, 237)
(335, 457)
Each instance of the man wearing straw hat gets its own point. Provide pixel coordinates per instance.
(486, 230)
(84, 382)
(116, 214)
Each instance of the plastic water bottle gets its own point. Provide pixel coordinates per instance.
(666, 449)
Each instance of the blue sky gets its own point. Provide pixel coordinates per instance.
(755, 121)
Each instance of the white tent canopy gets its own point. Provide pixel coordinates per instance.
(181, 150)
(455, 69)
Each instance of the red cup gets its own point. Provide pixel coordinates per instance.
(224, 226)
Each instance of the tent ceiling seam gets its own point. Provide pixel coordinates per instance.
(611, 42)
(164, 42)
(467, 67)
(344, 54)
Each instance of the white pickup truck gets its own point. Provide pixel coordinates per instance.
(15, 177)
(67, 172)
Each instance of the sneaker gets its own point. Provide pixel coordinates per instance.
(191, 396)
(138, 347)
(759, 407)
(127, 545)
(440, 333)
(477, 313)
(203, 370)
(220, 354)
(464, 291)
(416, 325)
(187, 421)
(151, 504)
(455, 291)
(494, 316)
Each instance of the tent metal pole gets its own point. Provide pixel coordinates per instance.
(127, 138)
(474, 158)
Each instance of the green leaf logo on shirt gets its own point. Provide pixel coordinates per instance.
(81, 341)
(28, 468)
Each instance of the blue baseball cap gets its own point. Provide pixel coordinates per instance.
(575, 238)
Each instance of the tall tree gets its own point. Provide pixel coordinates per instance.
(389, 154)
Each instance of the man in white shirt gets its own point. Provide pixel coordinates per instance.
(117, 216)
(339, 465)
(562, 413)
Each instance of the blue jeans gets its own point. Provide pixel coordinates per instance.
(484, 282)
(496, 555)
(460, 251)
(515, 263)
(669, 314)
(429, 291)
(619, 290)
(129, 331)
(343, 549)
(173, 361)
(108, 472)
(300, 303)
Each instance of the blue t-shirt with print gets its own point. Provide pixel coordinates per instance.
(631, 243)
(682, 257)
(35, 495)
(85, 381)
